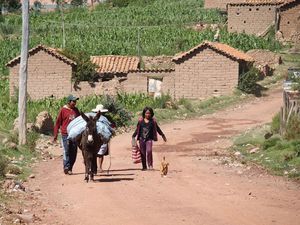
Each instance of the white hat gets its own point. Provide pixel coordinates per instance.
(99, 108)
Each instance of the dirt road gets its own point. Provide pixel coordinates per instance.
(197, 190)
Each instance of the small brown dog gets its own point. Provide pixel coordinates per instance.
(164, 167)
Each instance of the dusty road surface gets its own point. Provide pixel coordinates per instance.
(197, 190)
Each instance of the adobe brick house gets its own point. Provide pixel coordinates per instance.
(112, 70)
(289, 20)
(49, 73)
(219, 4)
(208, 69)
(252, 16)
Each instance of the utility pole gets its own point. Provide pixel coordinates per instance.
(23, 73)
(138, 45)
(62, 23)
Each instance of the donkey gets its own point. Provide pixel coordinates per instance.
(89, 143)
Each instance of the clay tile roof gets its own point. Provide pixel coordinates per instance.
(152, 70)
(219, 47)
(50, 51)
(287, 3)
(115, 63)
(259, 2)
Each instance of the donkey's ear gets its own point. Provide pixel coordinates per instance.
(84, 117)
(97, 116)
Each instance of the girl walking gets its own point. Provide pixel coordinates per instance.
(146, 132)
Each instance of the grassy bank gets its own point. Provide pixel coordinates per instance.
(278, 155)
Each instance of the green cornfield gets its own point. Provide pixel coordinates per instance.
(157, 28)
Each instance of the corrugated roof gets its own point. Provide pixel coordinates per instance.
(219, 47)
(259, 2)
(50, 51)
(115, 63)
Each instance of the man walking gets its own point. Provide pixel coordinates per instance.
(66, 114)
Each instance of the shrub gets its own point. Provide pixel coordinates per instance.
(31, 140)
(270, 143)
(117, 112)
(275, 125)
(186, 103)
(85, 69)
(247, 81)
(3, 165)
(136, 102)
(124, 3)
(37, 6)
(77, 2)
(293, 128)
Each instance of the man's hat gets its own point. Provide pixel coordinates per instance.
(72, 98)
(99, 108)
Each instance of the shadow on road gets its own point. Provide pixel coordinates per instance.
(115, 174)
(113, 179)
(127, 169)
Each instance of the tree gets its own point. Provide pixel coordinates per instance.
(10, 5)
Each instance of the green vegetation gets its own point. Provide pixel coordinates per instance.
(3, 165)
(281, 155)
(85, 69)
(248, 81)
(163, 27)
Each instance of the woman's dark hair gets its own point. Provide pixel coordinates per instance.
(146, 109)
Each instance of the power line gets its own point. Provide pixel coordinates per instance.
(117, 26)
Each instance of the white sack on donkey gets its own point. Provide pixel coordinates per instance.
(77, 126)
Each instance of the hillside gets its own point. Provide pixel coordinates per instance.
(160, 28)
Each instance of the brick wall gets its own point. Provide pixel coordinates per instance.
(84, 88)
(250, 19)
(219, 4)
(47, 76)
(289, 23)
(205, 74)
(135, 82)
(138, 81)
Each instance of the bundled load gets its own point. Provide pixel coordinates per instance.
(77, 126)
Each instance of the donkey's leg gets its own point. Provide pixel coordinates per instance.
(91, 167)
(89, 163)
(94, 164)
(87, 171)
(86, 175)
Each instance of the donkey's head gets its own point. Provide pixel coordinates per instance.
(90, 131)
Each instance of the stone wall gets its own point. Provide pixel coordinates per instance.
(250, 19)
(204, 74)
(47, 76)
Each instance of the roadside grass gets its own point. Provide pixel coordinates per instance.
(20, 158)
(278, 156)
(291, 58)
(185, 109)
